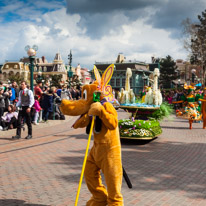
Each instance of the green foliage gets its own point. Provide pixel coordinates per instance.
(167, 71)
(139, 128)
(165, 111)
(56, 79)
(146, 124)
(138, 100)
(16, 78)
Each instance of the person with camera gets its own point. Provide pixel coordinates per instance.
(26, 101)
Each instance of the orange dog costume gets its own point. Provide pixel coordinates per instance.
(105, 153)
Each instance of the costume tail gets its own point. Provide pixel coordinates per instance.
(129, 184)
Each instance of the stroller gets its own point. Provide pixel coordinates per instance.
(56, 114)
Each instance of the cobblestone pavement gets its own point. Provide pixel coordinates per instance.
(170, 170)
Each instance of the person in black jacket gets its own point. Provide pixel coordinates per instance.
(47, 105)
(3, 97)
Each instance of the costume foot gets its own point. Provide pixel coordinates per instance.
(91, 202)
(16, 137)
(28, 137)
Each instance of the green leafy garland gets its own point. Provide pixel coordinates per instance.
(165, 111)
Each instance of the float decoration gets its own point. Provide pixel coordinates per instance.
(143, 123)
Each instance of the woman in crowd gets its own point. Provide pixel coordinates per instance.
(9, 120)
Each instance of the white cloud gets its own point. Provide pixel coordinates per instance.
(57, 30)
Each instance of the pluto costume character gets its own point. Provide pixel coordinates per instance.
(105, 154)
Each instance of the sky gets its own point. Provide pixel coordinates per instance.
(95, 30)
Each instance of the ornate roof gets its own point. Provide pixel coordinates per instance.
(58, 59)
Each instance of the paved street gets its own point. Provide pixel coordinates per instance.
(168, 171)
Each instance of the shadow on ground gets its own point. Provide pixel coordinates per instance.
(158, 166)
(15, 202)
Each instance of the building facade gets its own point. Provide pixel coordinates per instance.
(186, 72)
(140, 73)
(14, 68)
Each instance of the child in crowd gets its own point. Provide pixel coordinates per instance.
(9, 120)
(37, 109)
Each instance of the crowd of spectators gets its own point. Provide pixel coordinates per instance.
(46, 104)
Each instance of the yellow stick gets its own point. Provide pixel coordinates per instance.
(84, 163)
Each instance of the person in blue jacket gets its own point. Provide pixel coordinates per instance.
(47, 104)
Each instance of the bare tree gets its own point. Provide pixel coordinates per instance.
(195, 41)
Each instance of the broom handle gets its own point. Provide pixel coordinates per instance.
(85, 159)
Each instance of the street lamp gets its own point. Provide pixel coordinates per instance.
(70, 72)
(193, 75)
(31, 53)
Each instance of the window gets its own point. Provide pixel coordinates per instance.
(112, 82)
(123, 82)
(131, 82)
(117, 82)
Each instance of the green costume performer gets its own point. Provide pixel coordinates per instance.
(191, 109)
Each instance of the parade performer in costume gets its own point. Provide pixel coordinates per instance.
(144, 92)
(191, 109)
(203, 108)
(105, 154)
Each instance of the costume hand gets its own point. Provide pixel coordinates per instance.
(28, 110)
(95, 109)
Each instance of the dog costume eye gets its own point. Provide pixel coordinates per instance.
(85, 94)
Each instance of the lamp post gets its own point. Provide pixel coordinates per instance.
(193, 75)
(70, 72)
(31, 53)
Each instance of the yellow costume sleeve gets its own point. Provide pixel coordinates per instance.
(106, 113)
(109, 116)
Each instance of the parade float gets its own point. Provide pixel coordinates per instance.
(144, 118)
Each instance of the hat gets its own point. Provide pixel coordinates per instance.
(191, 87)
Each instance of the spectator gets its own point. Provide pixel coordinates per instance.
(59, 90)
(26, 101)
(1, 86)
(2, 102)
(37, 110)
(65, 94)
(77, 94)
(47, 105)
(73, 93)
(37, 90)
(170, 97)
(9, 120)
(14, 92)
(7, 101)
